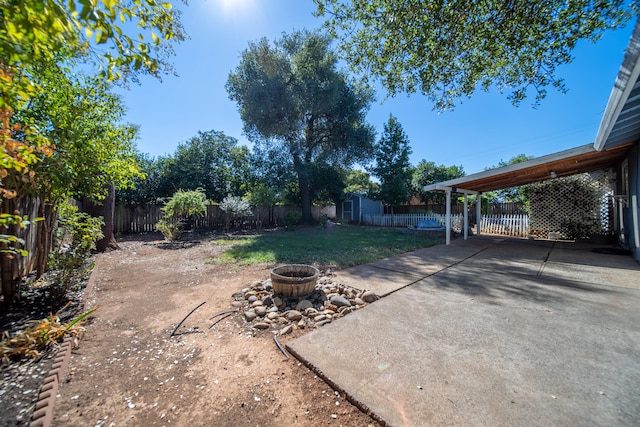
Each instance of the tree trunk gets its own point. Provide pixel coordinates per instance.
(8, 261)
(45, 237)
(106, 210)
(305, 198)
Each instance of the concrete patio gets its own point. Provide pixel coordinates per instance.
(489, 331)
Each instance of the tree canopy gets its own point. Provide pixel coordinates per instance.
(448, 50)
(392, 165)
(294, 100)
(210, 160)
(516, 195)
(429, 173)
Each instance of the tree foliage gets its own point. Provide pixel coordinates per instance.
(448, 50)
(211, 161)
(427, 173)
(293, 100)
(516, 195)
(360, 182)
(392, 165)
(180, 211)
(39, 39)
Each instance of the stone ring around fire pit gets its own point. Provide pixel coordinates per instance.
(294, 280)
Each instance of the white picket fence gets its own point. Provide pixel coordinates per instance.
(509, 225)
(408, 220)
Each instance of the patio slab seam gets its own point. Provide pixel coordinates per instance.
(446, 267)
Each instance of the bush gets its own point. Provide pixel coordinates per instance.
(180, 211)
(170, 229)
(75, 237)
(235, 207)
(292, 218)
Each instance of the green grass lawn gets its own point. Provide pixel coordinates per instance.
(341, 246)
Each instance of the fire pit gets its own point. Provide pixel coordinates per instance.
(294, 280)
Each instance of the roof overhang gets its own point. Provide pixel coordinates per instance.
(564, 163)
(621, 119)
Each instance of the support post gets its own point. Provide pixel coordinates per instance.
(634, 216)
(448, 217)
(466, 217)
(478, 213)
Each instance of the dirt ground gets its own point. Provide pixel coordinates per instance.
(128, 370)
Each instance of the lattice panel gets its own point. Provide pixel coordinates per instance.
(577, 206)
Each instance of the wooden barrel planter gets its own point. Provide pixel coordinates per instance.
(294, 280)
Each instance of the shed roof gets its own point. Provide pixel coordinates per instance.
(618, 131)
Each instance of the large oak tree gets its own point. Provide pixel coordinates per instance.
(292, 98)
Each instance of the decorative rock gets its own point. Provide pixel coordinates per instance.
(237, 304)
(286, 330)
(369, 296)
(277, 301)
(310, 312)
(322, 323)
(346, 309)
(273, 315)
(250, 315)
(301, 324)
(320, 318)
(261, 325)
(261, 311)
(293, 315)
(256, 284)
(303, 305)
(256, 303)
(238, 295)
(358, 301)
(267, 300)
(252, 298)
(340, 301)
(273, 309)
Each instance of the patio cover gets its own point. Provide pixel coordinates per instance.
(619, 130)
(564, 163)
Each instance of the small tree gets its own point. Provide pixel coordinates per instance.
(392, 165)
(235, 207)
(180, 211)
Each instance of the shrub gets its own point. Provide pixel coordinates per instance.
(292, 218)
(235, 207)
(75, 237)
(180, 211)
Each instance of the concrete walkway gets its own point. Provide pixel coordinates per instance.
(489, 332)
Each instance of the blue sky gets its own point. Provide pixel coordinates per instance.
(479, 133)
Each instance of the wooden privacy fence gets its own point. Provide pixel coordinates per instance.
(140, 219)
(509, 225)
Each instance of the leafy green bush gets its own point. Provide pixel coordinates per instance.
(170, 229)
(74, 239)
(180, 211)
(292, 218)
